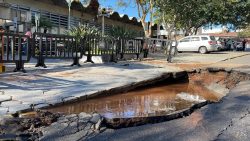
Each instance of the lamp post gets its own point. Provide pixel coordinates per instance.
(103, 12)
(69, 5)
(84, 3)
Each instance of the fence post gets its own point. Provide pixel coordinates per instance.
(121, 49)
(89, 56)
(40, 59)
(75, 49)
(137, 44)
(19, 63)
(112, 57)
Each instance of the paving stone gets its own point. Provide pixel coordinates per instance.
(70, 116)
(40, 105)
(16, 108)
(68, 98)
(10, 103)
(5, 98)
(95, 118)
(55, 129)
(63, 120)
(3, 111)
(82, 125)
(84, 116)
(88, 126)
(98, 124)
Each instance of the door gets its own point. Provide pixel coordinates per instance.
(184, 44)
(195, 44)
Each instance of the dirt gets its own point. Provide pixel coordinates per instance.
(25, 128)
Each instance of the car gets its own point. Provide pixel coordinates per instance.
(198, 43)
(239, 46)
(220, 45)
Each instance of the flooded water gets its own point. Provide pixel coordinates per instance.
(154, 101)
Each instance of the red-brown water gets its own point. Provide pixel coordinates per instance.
(154, 101)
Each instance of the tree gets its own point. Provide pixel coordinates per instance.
(245, 33)
(187, 15)
(144, 8)
(44, 23)
(83, 30)
(121, 32)
(190, 15)
(168, 18)
(234, 12)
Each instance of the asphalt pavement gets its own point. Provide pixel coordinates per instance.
(227, 120)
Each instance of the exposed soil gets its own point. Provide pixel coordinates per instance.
(23, 128)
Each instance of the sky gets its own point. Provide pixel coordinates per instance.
(131, 10)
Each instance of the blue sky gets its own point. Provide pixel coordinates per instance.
(131, 10)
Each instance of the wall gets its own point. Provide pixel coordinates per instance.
(48, 5)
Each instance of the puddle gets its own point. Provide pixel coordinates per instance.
(147, 102)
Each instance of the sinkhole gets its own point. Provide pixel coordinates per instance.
(167, 97)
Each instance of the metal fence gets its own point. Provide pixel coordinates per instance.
(15, 48)
(129, 46)
(163, 47)
(97, 46)
(18, 49)
(52, 46)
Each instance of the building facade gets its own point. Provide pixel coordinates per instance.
(18, 15)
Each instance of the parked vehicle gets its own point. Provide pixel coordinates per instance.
(239, 46)
(201, 43)
(221, 45)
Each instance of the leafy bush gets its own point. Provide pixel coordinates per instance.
(121, 32)
(83, 30)
(44, 22)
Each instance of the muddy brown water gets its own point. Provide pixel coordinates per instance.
(154, 101)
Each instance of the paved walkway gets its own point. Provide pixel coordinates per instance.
(59, 82)
(41, 87)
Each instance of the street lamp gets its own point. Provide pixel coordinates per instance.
(69, 5)
(103, 12)
(84, 3)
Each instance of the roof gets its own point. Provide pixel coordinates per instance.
(93, 7)
(228, 34)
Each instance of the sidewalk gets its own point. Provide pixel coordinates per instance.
(41, 87)
(226, 120)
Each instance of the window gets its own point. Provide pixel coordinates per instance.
(185, 40)
(212, 38)
(195, 39)
(204, 38)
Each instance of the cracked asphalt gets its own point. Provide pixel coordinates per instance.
(228, 120)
